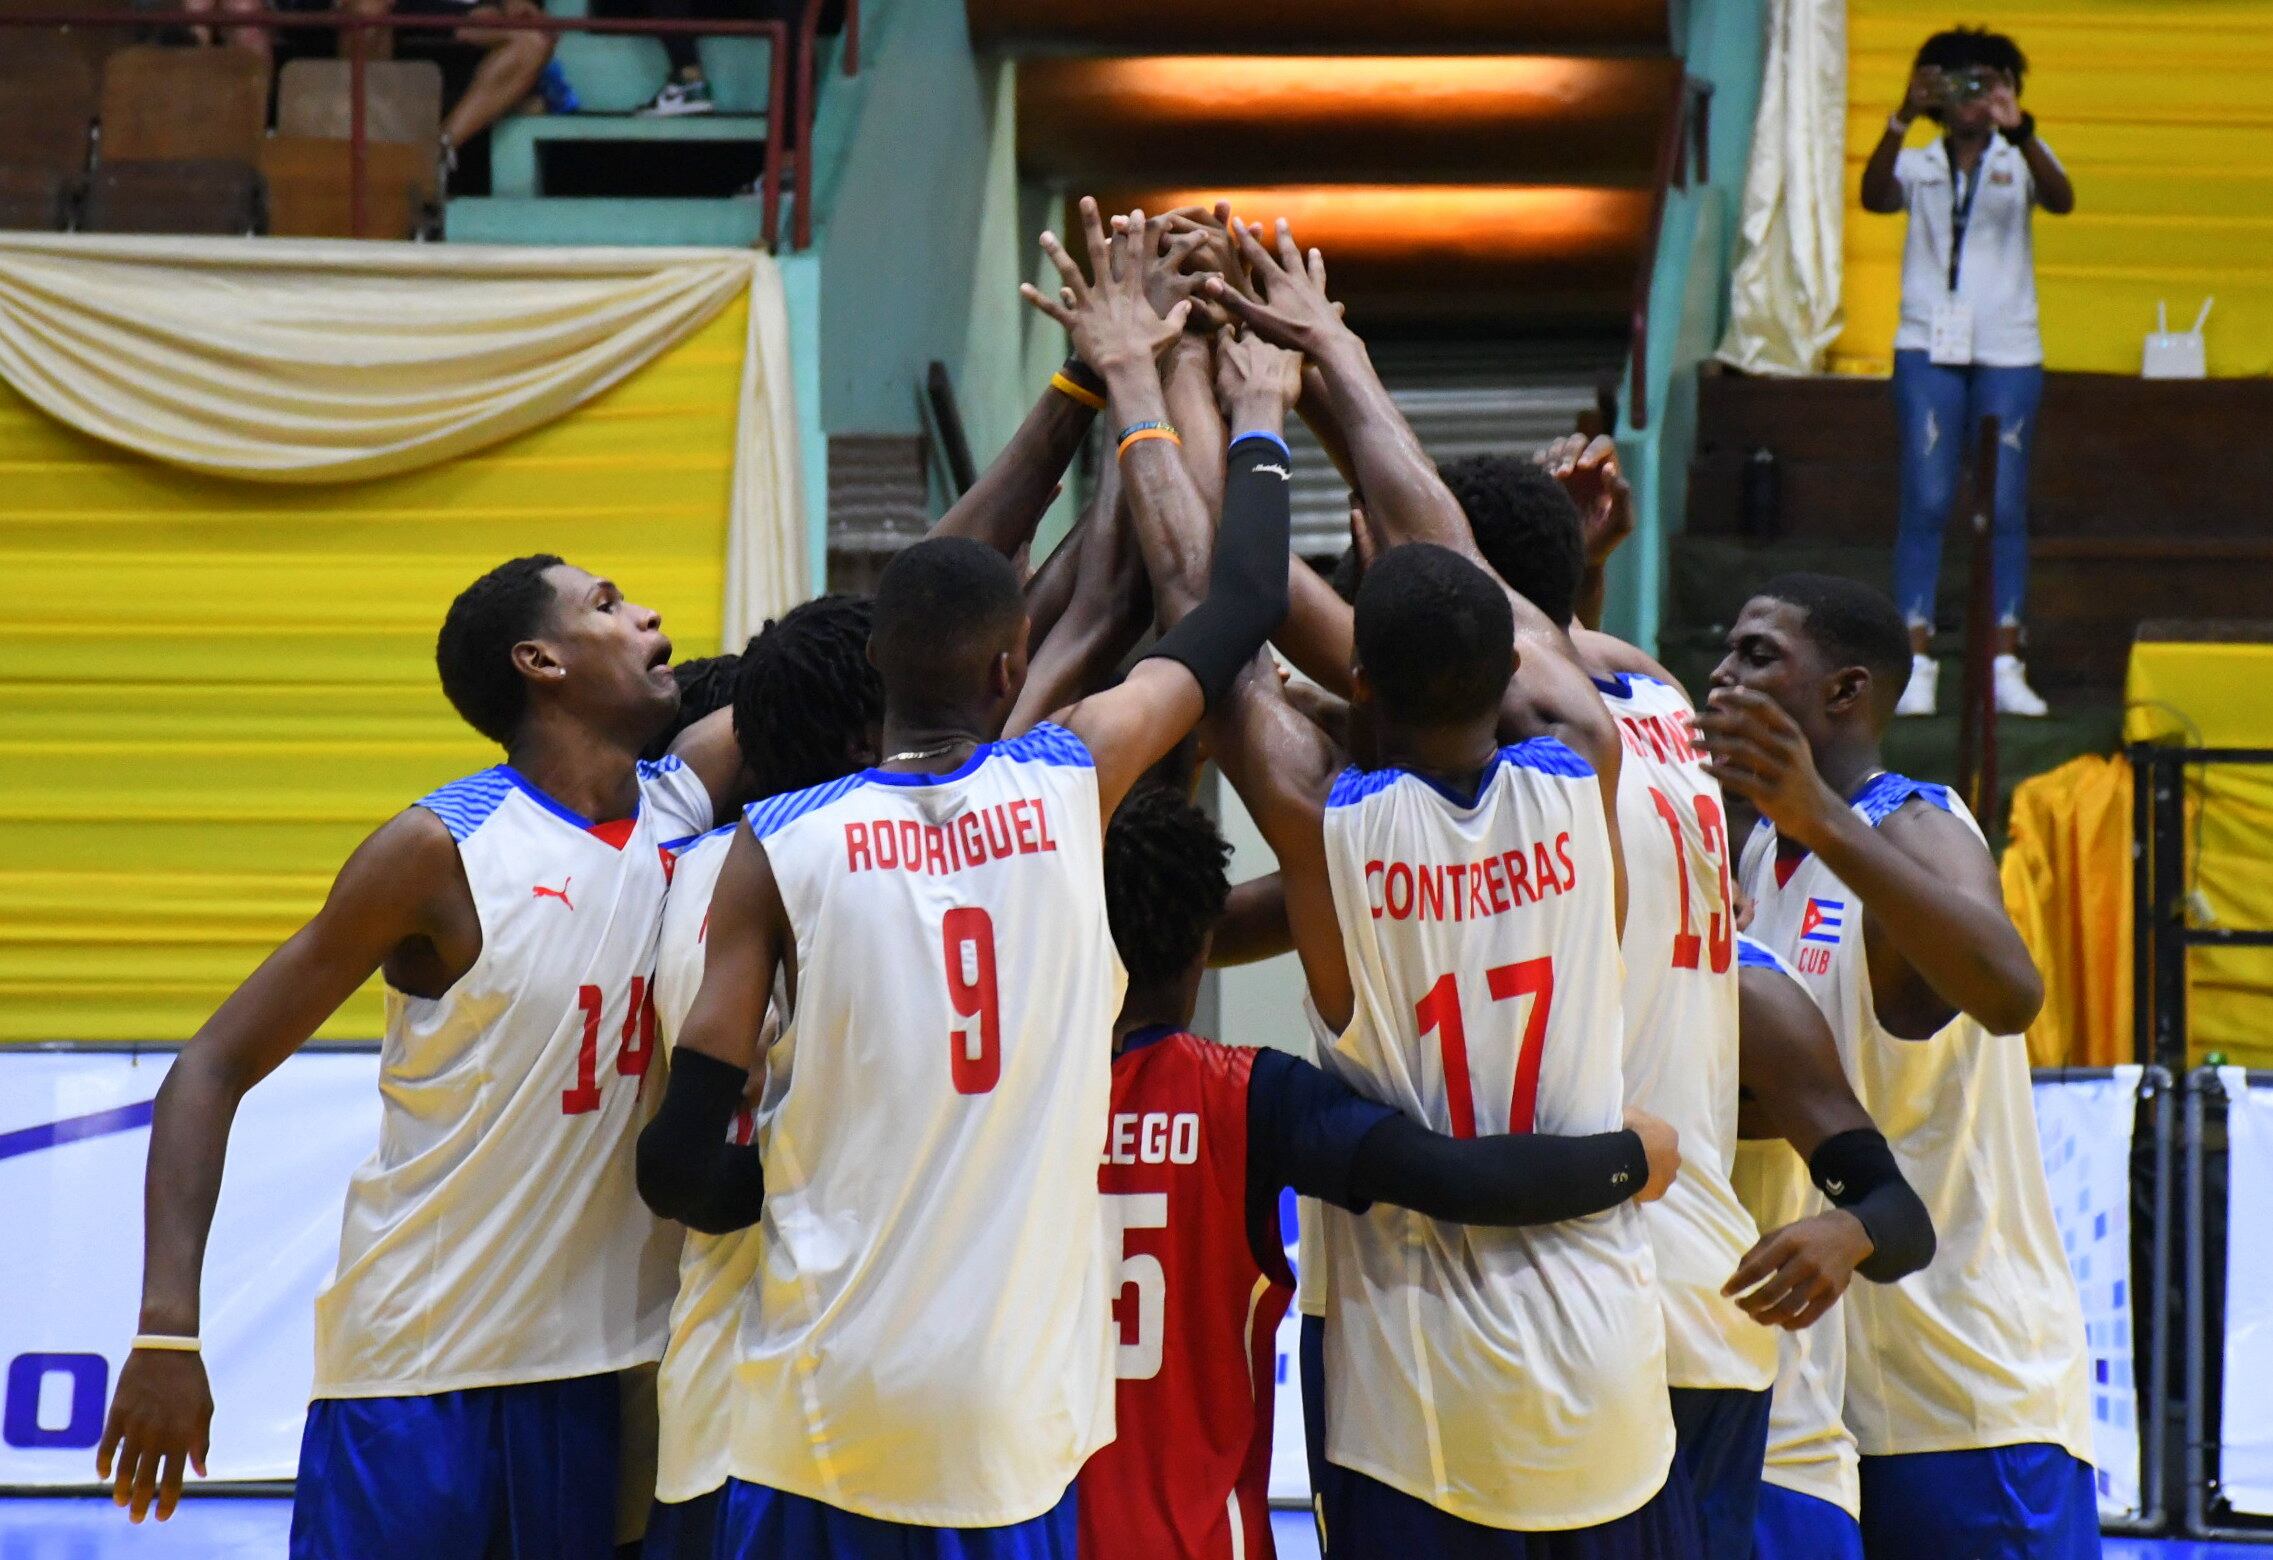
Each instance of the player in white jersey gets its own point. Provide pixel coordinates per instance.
(806, 703)
(496, 1269)
(1680, 990)
(1819, 1178)
(1966, 1385)
(926, 1363)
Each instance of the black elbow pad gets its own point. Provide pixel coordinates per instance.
(679, 1150)
(1858, 1172)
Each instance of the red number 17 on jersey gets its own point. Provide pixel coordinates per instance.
(1439, 1011)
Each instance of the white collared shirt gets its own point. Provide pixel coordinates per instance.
(1997, 273)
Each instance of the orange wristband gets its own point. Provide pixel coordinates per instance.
(1138, 435)
(1078, 392)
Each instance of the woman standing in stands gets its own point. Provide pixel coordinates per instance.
(1968, 345)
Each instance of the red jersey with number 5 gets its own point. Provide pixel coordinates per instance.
(1195, 1314)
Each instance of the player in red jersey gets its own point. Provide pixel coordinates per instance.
(1199, 1141)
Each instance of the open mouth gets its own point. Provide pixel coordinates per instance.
(659, 662)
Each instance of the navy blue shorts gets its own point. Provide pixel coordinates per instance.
(1312, 1369)
(757, 1523)
(1720, 1439)
(1371, 1521)
(522, 1472)
(1792, 1526)
(683, 1529)
(2032, 1502)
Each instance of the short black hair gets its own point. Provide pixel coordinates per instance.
(807, 694)
(1526, 527)
(474, 651)
(1435, 635)
(944, 608)
(1165, 883)
(706, 685)
(1855, 625)
(1973, 48)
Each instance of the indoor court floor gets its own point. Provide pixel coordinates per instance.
(222, 1528)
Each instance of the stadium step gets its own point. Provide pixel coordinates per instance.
(531, 219)
(1460, 161)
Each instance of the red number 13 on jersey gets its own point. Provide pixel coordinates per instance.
(966, 938)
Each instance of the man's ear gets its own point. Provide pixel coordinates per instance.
(534, 659)
(1001, 682)
(1849, 691)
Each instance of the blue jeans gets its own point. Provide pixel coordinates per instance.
(1939, 409)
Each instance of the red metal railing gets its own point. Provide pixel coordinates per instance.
(779, 109)
(1684, 143)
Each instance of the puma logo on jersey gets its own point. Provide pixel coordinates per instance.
(539, 891)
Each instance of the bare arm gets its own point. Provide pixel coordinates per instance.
(1935, 926)
(1789, 1081)
(1282, 767)
(1051, 587)
(403, 893)
(1254, 925)
(1008, 500)
(1882, 192)
(1109, 612)
(747, 947)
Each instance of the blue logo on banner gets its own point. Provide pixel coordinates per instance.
(27, 1373)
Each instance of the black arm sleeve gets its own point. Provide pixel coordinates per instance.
(1513, 1178)
(685, 1167)
(1247, 590)
(1856, 1170)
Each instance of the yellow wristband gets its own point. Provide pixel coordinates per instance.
(1139, 435)
(1082, 393)
(166, 1343)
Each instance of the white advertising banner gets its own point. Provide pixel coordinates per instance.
(2245, 1457)
(2084, 1128)
(74, 1133)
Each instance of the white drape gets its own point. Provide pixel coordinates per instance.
(310, 360)
(1784, 297)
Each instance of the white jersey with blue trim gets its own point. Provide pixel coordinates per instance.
(495, 1236)
(930, 1341)
(1985, 1346)
(1680, 1001)
(1514, 1378)
(694, 1387)
(1810, 1448)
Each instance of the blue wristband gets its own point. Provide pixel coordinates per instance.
(1261, 433)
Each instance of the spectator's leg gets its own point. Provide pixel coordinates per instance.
(507, 73)
(686, 63)
(1929, 407)
(2011, 395)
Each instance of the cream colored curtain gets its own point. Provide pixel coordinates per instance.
(1784, 298)
(281, 360)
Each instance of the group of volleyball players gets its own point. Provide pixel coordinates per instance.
(795, 1143)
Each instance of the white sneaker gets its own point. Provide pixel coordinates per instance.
(2014, 695)
(1918, 698)
(677, 99)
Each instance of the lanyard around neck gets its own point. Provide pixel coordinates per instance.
(1962, 192)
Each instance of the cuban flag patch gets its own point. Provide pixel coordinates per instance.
(1823, 920)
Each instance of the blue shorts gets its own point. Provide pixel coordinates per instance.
(1312, 1369)
(1368, 1518)
(1792, 1526)
(2033, 1502)
(1720, 1439)
(757, 1523)
(523, 1472)
(683, 1529)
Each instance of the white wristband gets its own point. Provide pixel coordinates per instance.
(166, 1343)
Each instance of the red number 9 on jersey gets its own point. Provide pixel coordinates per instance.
(975, 1054)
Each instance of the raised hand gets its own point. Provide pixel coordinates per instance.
(1797, 1273)
(1588, 471)
(1293, 310)
(1661, 1145)
(1108, 314)
(1217, 254)
(1256, 383)
(1754, 748)
(1169, 276)
(161, 1417)
(1923, 93)
(2003, 101)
